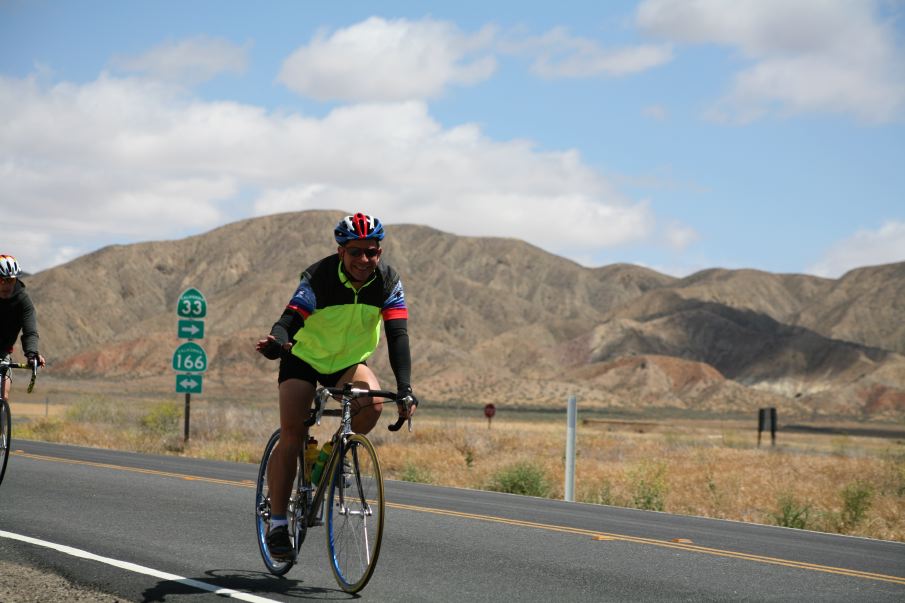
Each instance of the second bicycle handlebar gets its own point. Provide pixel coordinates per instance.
(324, 393)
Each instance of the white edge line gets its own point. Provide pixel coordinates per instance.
(140, 569)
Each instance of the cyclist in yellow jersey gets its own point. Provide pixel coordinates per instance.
(327, 331)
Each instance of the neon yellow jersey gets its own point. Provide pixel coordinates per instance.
(342, 325)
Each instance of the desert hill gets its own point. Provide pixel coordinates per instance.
(496, 320)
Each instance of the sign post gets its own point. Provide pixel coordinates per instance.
(766, 416)
(571, 423)
(190, 359)
(489, 411)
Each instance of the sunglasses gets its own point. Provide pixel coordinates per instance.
(7, 279)
(370, 252)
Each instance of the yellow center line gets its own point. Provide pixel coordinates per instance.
(596, 535)
(661, 543)
(244, 483)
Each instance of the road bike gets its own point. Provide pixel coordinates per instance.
(7, 365)
(349, 498)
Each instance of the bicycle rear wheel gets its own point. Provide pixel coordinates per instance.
(5, 429)
(295, 513)
(355, 508)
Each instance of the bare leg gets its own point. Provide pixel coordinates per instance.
(365, 411)
(296, 397)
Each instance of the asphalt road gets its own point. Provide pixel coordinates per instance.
(175, 529)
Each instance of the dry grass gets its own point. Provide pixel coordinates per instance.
(707, 468)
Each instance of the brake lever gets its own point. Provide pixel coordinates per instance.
(320, 400)
(321, 403)
(34, 376)
(406, 402)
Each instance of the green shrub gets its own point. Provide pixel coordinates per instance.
(791, 513)
(97, 410)
(521, 478)
(856, 500)
(649, 486)
(162, 419)
(44, 429)
(469, 457)
(413, 473)
(602, 495)
(894, 475)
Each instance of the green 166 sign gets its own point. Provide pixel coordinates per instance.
(190, 358)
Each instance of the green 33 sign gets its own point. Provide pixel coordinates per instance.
(192, 304)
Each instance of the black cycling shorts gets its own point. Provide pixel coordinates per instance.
(293, 367)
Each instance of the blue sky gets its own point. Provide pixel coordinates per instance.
(675, 134)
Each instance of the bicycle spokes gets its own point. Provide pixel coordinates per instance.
(355, 514)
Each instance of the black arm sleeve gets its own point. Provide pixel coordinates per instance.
(288, 324)
(29, 329)
(398, 349)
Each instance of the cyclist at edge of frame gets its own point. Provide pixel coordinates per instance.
(327, 331)
(17, 313)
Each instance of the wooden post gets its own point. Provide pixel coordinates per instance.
(761, 419)
(188, 406)
(773, 426)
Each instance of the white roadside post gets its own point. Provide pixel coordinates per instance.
(571, 419)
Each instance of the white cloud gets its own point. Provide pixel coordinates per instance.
(119, 160)
(461, 182)
(803, 56)
(679, 237)
(189, 61)
(29, 247)
(864, 248)
(384, 61)
(558, 54)
(656, 112)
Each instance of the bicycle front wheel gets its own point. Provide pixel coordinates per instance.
(5, 429)
(355, 508)
(294, 513)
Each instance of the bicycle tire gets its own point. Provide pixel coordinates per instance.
(295, 513)
(5, 433)
(355, 512)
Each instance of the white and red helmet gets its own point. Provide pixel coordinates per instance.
(356, 227)
(9, 267)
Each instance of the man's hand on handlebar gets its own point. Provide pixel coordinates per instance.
(406, 403)
(406, 410)
(36, 360)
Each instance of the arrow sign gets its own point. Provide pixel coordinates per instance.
(191, 304)
(190, 329)
(190, 358)
(188, 384)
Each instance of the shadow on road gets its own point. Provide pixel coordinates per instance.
(259, 583)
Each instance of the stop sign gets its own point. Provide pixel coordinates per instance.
(489, 410)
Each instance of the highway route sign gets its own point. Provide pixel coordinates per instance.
(190, 358)
(190, 329)
(192, 304)
(188, 384)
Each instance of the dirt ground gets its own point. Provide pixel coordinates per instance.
(22, 584)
